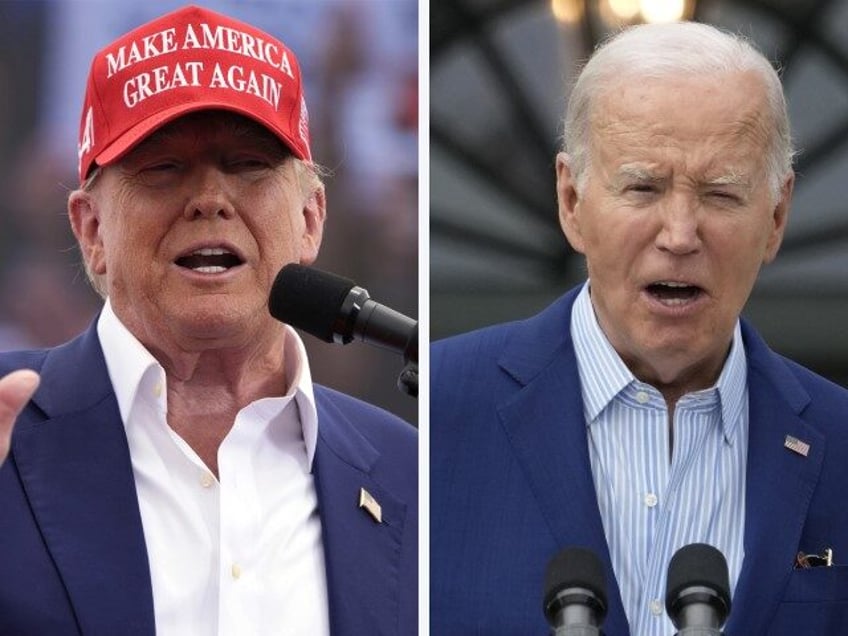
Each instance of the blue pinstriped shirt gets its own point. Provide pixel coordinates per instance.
(650, 506)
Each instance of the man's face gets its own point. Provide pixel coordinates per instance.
(190, 228)
(675, 219)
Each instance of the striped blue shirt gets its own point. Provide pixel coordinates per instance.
(652, 503)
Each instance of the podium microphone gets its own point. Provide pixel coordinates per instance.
(575, 600)
(698, 590)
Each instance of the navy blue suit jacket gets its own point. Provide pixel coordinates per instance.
(72, 551)
(511, 485)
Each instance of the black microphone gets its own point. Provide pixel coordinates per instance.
(334, 309)
(698, 590)
(575, 600)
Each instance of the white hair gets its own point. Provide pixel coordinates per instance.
(681, 48)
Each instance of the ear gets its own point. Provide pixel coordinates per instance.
(314, 215)
(85, 222)
(568, 202)
(779, 218)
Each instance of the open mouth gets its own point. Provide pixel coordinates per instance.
(210, 260)
(673, 293)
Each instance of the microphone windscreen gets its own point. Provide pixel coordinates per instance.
(308, 299)
(697, 564)
(575, 568)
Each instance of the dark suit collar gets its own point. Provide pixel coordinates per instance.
(362, 556)
(540, 340)
(780, 483)
(74, 376)
(76, 471)
(544, 422)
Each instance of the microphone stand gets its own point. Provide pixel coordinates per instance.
(407, 381)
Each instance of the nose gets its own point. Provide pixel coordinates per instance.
(209, 197)
(680, 230)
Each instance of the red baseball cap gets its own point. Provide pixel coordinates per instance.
(189, 60)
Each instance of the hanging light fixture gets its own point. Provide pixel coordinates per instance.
(623, 9)
(617, 13)
(665, 10)
(568, 11)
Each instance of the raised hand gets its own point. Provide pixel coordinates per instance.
(15, 391)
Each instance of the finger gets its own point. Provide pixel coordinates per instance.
(16, 389)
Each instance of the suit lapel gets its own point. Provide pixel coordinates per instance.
(77, 475)
(780, 485)
(361, 554)
(545, 426)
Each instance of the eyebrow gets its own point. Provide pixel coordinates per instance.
(635, 172)
(732, 179)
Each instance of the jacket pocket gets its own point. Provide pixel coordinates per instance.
(815, 603)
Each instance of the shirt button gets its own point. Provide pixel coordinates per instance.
(651, 500)
(157, 390)
(206, 480)
(656, 607)
(642, 397)
(235, 570)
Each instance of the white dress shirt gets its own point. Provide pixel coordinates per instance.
(653, 502)
(239, 555)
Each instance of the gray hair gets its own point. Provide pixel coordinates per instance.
(660, 50)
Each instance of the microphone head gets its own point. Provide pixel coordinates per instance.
(698, 565)
(575, 568)
(308, 299)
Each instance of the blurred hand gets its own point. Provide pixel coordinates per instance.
(15, 391)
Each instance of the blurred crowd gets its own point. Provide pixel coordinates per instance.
(359, 58)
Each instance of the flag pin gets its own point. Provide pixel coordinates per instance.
(796, 445)
(370, 504)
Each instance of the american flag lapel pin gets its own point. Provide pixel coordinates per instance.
(796, 445)
(367, 501)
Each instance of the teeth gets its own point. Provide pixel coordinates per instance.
(211, 251)
(210, 269)
(672, 284)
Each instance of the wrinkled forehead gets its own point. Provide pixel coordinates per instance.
(722, 111)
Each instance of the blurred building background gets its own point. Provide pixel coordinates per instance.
(499, 74)
(360, 62)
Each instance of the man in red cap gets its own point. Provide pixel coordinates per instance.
(176, 470)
